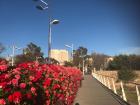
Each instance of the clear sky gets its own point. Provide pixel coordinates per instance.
(105, 26)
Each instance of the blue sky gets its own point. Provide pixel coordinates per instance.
(105, 26)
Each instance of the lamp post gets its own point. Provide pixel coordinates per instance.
(83, 63)
(83, 67)
(13, 53)
(49, 38)
(71, 49)
(44, 6)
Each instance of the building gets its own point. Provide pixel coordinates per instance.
(60, 55)
(110, 59)
(107, 60)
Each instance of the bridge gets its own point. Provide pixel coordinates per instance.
(92, 92)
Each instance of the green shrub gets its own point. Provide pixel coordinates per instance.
(126, 75)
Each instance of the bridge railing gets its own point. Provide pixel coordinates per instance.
(109, 82)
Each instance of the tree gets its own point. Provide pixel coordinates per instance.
(126, 75)
(79, 55)
(68, 64)
(98, 60)
(53, 61)
(125, 61)
(31, 53)
(2, 48)
(34, 50)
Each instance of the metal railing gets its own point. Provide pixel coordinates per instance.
(109, 82)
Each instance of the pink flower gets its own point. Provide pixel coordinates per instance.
(48, 102)
(33, 90)
(7, 76)
(17, 76)
(31, 78)
(2, 102)
(30, 83)
(22, 85)
(15, 82)
(3, 67)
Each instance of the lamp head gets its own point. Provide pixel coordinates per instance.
(55, 22)
(67, 45)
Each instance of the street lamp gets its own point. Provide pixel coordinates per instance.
(43, 7)
(71, 49)
(83, 61)
(49, 38)
(13, 53)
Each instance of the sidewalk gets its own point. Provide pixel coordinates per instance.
(92, 93)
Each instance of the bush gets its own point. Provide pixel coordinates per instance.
(68, 64)
(126, 75)
(38, 84)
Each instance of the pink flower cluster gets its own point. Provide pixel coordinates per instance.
(38, 84)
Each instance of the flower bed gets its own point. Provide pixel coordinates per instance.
(38, 84)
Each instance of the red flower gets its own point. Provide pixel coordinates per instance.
(3, 85)
(16, 97)
(29, 96)
(2, 102)
(56, 86)
(47, 82)
(10, 98)
(47, 93)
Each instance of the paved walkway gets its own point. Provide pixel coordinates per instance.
(92, 93)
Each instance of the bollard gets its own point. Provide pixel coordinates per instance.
(138, 94)
(114, 87)
(123, 93)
